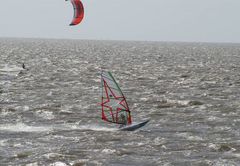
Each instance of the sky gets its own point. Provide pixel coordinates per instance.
(145, 20)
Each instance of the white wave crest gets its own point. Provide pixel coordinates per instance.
(21, 127)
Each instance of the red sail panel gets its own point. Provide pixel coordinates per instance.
(78, 12)
(114, 105)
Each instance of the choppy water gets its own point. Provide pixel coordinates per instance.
(49, 113)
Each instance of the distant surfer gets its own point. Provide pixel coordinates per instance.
(24, 69)
(23, 66)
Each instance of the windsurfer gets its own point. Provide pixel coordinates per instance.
(123, 121)
(23, 70)
(23, 66)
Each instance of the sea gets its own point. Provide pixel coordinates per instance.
(50, 112)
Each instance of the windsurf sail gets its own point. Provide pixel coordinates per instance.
(78, 12)
(114, 105)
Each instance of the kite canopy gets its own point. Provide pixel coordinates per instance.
(114, 104)
(78, 12)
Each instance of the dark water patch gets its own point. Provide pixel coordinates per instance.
(23, 154)
(184, 76)
(225, 148)
(192, 103)
(80, 163)
(8, 110)
(170, 104)
(178, 104)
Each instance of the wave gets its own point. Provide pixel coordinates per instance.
(21, 127)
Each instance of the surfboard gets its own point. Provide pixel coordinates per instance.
(134, 126)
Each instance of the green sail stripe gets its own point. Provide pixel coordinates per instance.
(112, 80)
(113, 98)
(104, 76)
(115, 82)
(114, 89)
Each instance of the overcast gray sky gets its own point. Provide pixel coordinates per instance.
(157, 20)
